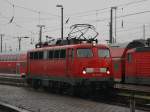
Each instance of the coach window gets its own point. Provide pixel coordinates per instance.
(50, 54)
(84, 52)
(56, 54)
(16, 58)
(129, 57)
(63, 53)
(10, 58)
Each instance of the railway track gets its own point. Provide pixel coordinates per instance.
(132, 101)
(139, 96)
(9, 108)
(123, 97)
(12, 79)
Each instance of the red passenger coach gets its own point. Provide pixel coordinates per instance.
(118, 60)
(76, 65)
(13, 63)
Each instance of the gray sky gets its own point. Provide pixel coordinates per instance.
(26, 18)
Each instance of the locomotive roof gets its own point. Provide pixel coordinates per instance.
(140, 49)
(70, 46)
(130, 45)
(120, 49)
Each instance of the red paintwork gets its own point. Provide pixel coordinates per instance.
(13, 63)
(118, 61)
(70, 68)
(139, 66)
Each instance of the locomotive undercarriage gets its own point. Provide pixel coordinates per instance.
(137, 80)
(77, 87)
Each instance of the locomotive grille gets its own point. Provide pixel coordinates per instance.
(103, 70)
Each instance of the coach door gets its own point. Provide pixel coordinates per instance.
(70, 58)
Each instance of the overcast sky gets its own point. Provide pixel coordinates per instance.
(23, 18)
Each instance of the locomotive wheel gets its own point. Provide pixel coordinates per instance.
(36, 84)
(73, 91)
(29, 82)
(85, 91)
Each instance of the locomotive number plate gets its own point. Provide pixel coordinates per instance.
(103, 70)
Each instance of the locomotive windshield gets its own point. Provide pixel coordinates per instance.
(103, 53)
(85, 52)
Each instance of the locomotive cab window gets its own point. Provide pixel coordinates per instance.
(103, 53)
(84, 52)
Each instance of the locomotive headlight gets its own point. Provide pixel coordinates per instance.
(84, 72)
(108, 72)
(94, 44)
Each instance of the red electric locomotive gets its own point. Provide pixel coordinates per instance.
(137, 66)
(13, 63)
(76, 62)
(77, 65)
(131, 62)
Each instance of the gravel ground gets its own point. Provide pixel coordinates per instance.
(40, 101)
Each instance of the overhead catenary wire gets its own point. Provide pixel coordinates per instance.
(29, 9)
(126, 15)
(131, 14)
(126, 4)
(106, 8)
(98, 12)
(120, 30)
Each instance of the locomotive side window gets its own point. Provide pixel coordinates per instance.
(50, 54)
(103, 53)
(62, 53)
(40, 55)
(56, 54)
(45, 55)
(84, 52)
(31, 55)
(35, 55)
